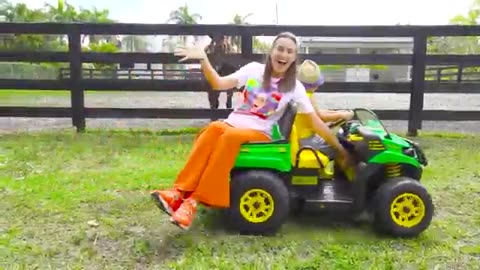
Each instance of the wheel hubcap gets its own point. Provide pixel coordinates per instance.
(256, 205)
(407, 210)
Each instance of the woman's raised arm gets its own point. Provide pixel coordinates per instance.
(198, 52)
(216, 81)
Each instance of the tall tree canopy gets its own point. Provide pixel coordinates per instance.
(62, 12)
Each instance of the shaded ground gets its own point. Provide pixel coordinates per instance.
(80, 201)
(199, 100)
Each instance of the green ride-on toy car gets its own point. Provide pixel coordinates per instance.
(269, 179)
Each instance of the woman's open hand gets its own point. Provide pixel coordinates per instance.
(190, 53)
(196, 52)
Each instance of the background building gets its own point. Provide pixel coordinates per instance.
(359, 45)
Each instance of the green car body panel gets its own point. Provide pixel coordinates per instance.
(265, 156)
(270, 155)
(394, 146)
(394, 152)
(276, 155)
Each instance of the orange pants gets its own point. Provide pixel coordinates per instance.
(207, 171)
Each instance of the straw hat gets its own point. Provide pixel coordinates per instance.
(309, 73)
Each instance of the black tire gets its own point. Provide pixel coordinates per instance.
(245, 182)
(386, 195)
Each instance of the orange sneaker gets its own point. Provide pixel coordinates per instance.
(185, 214)
(167, 200)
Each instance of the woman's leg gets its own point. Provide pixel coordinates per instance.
(213, 189)
(187, 180)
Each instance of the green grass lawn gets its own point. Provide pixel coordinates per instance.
(33, 97)
(80, 201)
(11, 94)
(28, 97)
(15, 94)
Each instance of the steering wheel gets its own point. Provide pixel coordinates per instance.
(339, 122)
(342, 123)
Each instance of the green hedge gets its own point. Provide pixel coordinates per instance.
(29, 71)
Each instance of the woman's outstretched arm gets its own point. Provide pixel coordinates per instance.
(216, 81)
(324, 131)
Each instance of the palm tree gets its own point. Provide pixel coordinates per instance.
(18, 13)
(182, 15)
(63, 12)
(5, 9)
(472, 17)
(470, 44)
(240, 20)
(21, 13)
(169, 44)
(97, 16)
(135, 43)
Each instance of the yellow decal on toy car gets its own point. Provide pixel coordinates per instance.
(354, 137)
(304, 180)
(375, 145)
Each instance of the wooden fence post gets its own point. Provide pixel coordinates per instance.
(417, 86)
(247, 46)
(460, 73)
(76, 91)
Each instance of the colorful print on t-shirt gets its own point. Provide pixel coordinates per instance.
(258, 101)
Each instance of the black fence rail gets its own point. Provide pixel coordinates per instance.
(436, 74)
(77, 81)
(452, 73)
(135, 74)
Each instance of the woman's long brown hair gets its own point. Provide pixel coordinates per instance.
(288, 82)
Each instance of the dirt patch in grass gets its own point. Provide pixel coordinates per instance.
(80, 201)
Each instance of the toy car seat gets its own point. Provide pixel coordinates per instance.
(283, 129)
(305, 156)
(301, 156)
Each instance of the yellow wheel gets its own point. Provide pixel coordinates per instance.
(403, 207)
(407, 210)
(259, 202)
(256, 205)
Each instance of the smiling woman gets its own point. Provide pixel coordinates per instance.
(267, 90)
(279, 62)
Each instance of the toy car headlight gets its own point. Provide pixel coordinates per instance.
(409, 151)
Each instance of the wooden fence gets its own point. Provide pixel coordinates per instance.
(77, 84)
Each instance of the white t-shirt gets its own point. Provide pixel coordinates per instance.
(260, 108)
